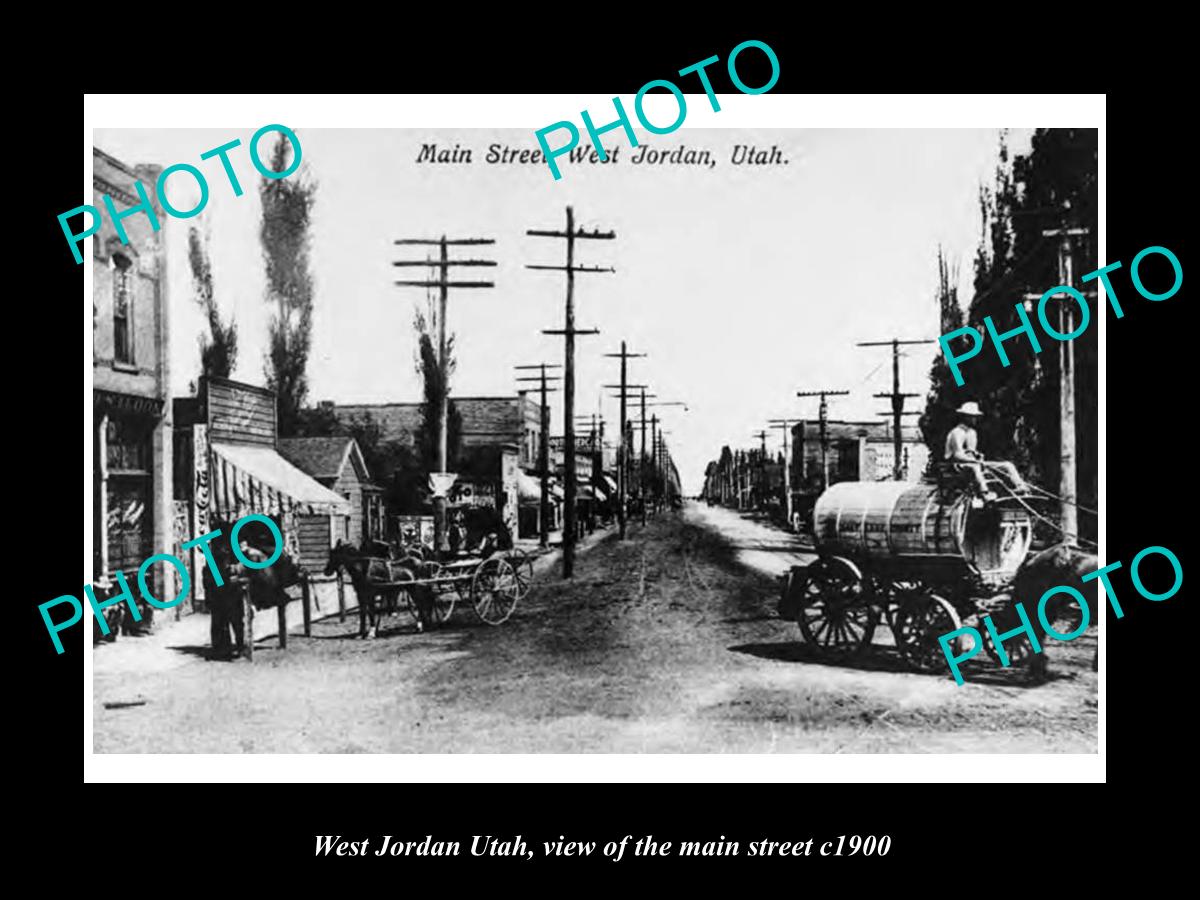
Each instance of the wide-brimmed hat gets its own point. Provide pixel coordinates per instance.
(970, 408)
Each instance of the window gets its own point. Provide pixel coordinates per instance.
(129, 445)
(122, 302)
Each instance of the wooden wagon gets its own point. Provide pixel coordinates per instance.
(925, 558)
(492, 585)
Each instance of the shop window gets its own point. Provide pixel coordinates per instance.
(122, 309)
(129, 447)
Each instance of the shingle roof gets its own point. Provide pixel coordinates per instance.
(320, 457)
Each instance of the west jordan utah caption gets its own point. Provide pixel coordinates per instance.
(481, 845)
(644, 154)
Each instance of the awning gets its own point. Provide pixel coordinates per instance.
(253, 479)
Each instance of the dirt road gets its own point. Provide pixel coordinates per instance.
(666, 642)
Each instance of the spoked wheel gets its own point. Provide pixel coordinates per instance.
(923, 617)
(522, 564)
(494, 590)
(1019, 650)
(836, 616)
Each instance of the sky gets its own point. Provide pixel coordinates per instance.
(742, 283)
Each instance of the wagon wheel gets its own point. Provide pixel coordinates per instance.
(446, 590)
(1019, 650)
(522, 564)
(836, 615)
(494, 590)
(922, 618)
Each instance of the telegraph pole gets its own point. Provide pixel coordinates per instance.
(761, 434)
(441, 486)
(1066, 382)
(785, 425)
(543, 449)
(641, 391)
(824, 418)
(657, 423)
(897, 398)
(571, 234)
(622, 487)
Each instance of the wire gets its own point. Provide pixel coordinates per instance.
(1049, 522)
(1054, 496)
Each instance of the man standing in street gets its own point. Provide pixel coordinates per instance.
(225, 602)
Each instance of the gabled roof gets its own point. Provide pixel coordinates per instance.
(324, 457)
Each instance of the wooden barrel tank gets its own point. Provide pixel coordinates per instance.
(918, 527)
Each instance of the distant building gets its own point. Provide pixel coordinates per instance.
(856, 451)
(133, 514)
(486, 422)
(338, 464)
(500, 438)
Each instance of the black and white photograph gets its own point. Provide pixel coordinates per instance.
(663, 456)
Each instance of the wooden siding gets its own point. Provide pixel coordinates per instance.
(349, 484)
(314, 542)
(240, 413)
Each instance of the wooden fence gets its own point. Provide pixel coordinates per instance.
(306, 595)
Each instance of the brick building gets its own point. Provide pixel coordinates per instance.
(486, 422)
(133, 513)
(857, 451)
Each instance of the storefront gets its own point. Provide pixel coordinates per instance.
(228, 467)
(126, 526)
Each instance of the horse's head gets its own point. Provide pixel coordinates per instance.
(340, 556)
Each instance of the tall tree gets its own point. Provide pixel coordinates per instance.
(218, 348)
(1051, 186)
(287, 209)
(938, 417)
(436, 385)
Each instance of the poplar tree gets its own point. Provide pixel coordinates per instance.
(286, 215)
(1051, 187)
(218, 348)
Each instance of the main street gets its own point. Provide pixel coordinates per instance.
(667, 642)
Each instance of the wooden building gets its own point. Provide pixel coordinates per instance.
(228, 465)
(337, 462)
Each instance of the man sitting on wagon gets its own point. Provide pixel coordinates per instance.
(962, 455)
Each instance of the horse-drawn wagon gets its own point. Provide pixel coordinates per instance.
(926, 558)
(490, 581)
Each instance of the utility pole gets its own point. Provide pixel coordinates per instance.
(785, 425)
(543, 449)
(642, 459)
(441, 485)
(1068, 511)
(897, 399)
(640, 390)
(824, 419)
(657, 423)
(622, 487)
(571, 234)
(761, 434)
(654, 451)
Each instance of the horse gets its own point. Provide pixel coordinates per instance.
(368, 586)
(1060, 564)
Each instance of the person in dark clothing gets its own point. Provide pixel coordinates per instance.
(225, 602)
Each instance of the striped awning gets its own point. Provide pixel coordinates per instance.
(256, 479)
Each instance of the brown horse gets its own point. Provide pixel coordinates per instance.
(373, 577)
(1061, 564)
